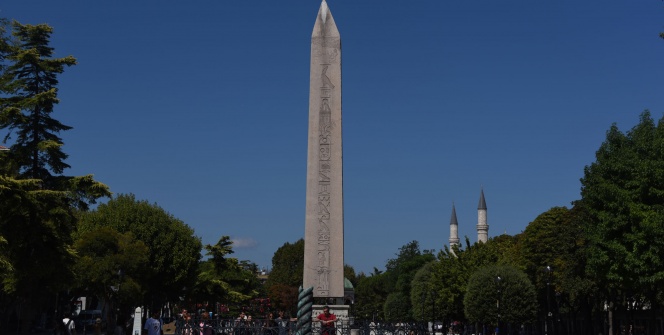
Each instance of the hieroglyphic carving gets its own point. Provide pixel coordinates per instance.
(323, 259)
(324, 179)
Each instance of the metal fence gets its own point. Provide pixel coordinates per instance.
(283, 327)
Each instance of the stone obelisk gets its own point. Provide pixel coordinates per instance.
(324, 225)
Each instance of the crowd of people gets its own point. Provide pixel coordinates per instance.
(205, 324)
(67, 326)
(245, 324)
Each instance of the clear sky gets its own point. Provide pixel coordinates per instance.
(202, 107)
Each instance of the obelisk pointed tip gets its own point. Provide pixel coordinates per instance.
(325, 25)
(324, 10)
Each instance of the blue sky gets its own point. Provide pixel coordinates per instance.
(202, 107)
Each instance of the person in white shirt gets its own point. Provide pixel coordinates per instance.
(69, 325)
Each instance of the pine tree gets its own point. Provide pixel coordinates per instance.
(31, 83)
(38, 204)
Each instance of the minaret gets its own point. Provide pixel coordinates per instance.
(324, 222)
(454, 229)
(482, 226)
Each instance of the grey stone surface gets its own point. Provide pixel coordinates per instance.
(482, 224)
(136, 328)
(454, 230)
(324, 222)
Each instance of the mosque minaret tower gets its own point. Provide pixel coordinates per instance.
(482, 226)
(454, 230)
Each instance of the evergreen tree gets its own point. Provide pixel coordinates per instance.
(225, 279)
(37, 203)
(31, 85)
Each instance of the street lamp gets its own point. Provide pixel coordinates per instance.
(424, 296)
(548, 298)
(114, 311)
(433, 311)
(498, 280)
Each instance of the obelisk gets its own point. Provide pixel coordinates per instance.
(324, 222)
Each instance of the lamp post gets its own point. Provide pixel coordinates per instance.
(557, 325)
(112, 319)
(424, 296)
(548, 298)
(498, 281)
(433, 312)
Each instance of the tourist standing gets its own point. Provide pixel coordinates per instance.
(153, 325)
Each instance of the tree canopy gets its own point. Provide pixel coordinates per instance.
(500, 293)
(173, 249)
(623, 193)
(223, 278)
(286, 276)
(37, 201)
(387, 294)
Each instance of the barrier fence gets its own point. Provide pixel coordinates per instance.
(283, 327)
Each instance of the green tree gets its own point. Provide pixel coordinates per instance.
(39, 255)
(370, 294)
(173, 249)
(500, 293)
(555, 241)
(288, 264)
(373, 291)
(286, 276)
(38, 231)
(110, 266)
(448, 277)
(39, 202)
(32, 84)
(5, 48)
(623, 193)
(397, 307)
(399, 274)
(29, 94)
(225, 279)
(424, 293)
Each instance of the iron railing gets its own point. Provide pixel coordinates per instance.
(282, 327)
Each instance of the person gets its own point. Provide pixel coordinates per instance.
(186, 323)
(327, 320)
(205, 327)
(269, 324)
(153, 325)
(119, 327)
(282, 322)
(240, 324)
(69, 326)
(97, 327)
